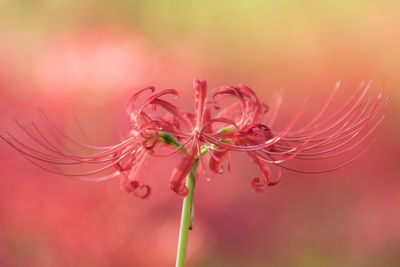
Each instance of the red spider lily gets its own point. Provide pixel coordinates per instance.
(126, 157)
(326, 136)
(245, 125)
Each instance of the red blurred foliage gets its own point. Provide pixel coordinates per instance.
(100, 61)
(53, 221)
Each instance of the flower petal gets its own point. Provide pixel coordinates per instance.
(179, 174)
(200, 100)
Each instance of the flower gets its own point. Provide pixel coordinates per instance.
(232, 119)
(327, 135)
(126, 158)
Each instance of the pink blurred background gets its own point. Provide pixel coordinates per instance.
(84, 58)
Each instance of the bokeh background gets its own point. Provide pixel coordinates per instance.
(84, 58)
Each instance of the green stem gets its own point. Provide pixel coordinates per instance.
(186, 217)
(187, 208)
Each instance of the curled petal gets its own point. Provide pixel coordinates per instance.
(131, 105)
(255, 107)
(140, 190)
(256, 133)
(137, 116)
(179, 174)
(134, 186)
(200, 100)
(217, 157)
(174, 111)
(130, 181)
(259, 185)
(252, 108)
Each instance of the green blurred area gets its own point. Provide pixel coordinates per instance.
(309, 38)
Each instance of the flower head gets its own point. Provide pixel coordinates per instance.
(330, 134)
(230, 119)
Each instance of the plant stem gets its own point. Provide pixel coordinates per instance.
(186, 217)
